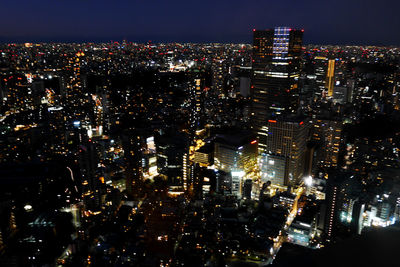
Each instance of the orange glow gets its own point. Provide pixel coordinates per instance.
(253, 142)
(272, 121)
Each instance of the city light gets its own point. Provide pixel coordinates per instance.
(308, 180)
(159, 153)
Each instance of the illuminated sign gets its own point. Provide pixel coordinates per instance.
(57, 108)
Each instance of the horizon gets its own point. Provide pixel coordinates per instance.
(20, 41)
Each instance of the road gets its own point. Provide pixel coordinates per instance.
(278, 241)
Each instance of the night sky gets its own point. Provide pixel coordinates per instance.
(324, 22)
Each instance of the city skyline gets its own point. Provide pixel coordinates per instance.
(355, 23)
(180, 133)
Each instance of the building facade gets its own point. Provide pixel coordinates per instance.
(276, 71)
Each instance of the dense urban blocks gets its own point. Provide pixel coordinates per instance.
(184, 154)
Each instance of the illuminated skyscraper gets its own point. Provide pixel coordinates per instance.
(91, 184)
(330, 76)
(131, 143)
(196, 101)
(218, 68)
(327, 134)
(342, 192)
(320, 69)
(283, 161)
(75, 84)
(276, 70)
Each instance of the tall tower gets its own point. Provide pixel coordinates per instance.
(330, 76)
(75, 85)
(218, 68)
(92, 186)
(327, 134)
(196, 103)
(276, 70)
(131, 142)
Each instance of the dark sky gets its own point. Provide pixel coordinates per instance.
(325, 22)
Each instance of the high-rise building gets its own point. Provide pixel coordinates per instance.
(218, 68)
(131, 142)
(196, 102)
(276, 70)
(92, 185)
(319, 69)
(327, 134)
(283, 161)
(171, 154)
(330, 76)
(75, 83)
(342, 192)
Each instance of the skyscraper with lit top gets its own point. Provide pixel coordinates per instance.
(281, 134)
(276, 70)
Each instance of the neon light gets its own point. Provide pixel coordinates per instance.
(301, 123)
(272, 121)
(253, 142)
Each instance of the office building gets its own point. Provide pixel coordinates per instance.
(196, 87)
(204, 156)
(327, 134)
(131, 143)
(235, 151)
(330, 77)
(276, 71)
(218, 69)
(171, 150)
(283, 162)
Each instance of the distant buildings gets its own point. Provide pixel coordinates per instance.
(180, 153)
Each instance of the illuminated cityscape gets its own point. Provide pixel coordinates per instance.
(267, 152)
